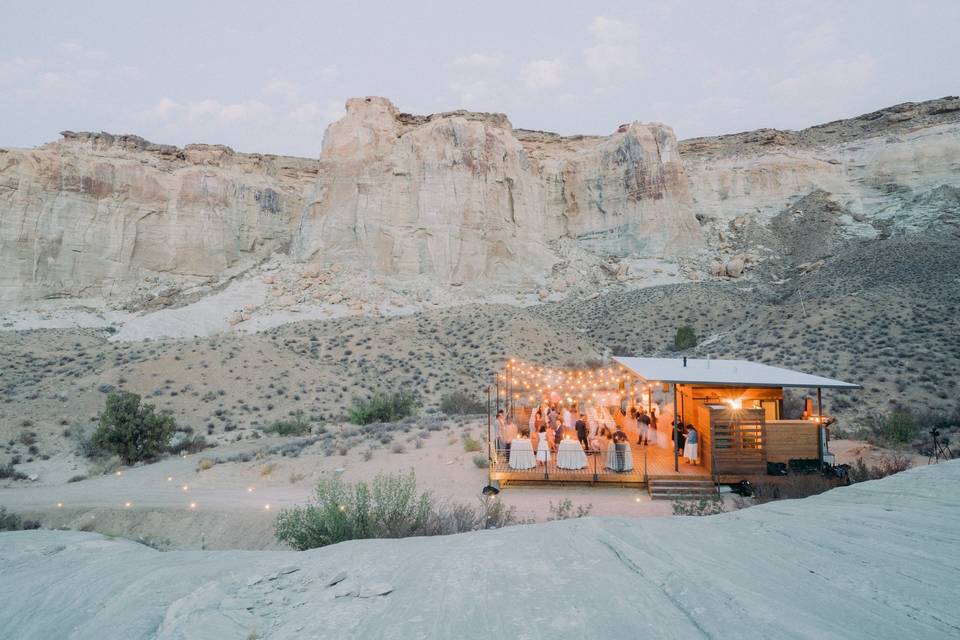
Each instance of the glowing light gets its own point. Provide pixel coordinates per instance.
(343, 508)
(59, 505)
(128, 504)
(119, 473)
(169, 478)
(185, 487)
(638, 499)
(249, 489)
(266, 507)
(735, 403)
(193, 505)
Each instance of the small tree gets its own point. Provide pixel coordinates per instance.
(131, 430)
(685, 338)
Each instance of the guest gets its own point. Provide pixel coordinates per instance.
(558, 434)
(543, 447)
(501, 427)
(507, 435)
(690, 449)
(567, 418)
(643, 424)
(620, 450)
(552, 416)
(581, 428)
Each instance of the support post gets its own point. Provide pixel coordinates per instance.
(676, 416)
(491, 454)
(820, 434)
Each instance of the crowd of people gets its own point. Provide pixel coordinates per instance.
(550, 424)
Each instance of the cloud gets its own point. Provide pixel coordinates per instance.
(542, 74)
(616, 50)
(283, 88)
(840, 75)
(478, 61)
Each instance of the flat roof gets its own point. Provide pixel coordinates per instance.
(737, 373)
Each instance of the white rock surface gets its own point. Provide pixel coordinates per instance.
(875, 560)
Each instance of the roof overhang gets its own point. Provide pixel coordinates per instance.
(725, 373)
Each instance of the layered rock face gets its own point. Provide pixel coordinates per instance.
(462, 198)
(94, 214)
(897, 168)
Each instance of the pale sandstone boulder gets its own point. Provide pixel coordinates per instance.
(734, 267)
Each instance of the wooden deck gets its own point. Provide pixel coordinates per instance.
(649, 462)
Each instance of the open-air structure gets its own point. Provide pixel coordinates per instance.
(735, 408)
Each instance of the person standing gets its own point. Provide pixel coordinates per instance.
(557, 434)
(581, 428)
(543, 447)
(690, 448)
(619, 449)
(643, 424)
(501, 427)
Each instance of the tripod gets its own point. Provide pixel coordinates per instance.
(940, 448)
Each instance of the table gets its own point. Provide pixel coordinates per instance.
(521, 454)
(611, 459)
(570, 455)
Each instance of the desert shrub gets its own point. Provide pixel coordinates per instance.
(565, 510)
(860, 472)
(685, 338)
(8, 471)
(205, 464)
(382, 407)
(131, 430)
(295, 426)
(703, 506)
(193, 444)
(791, 487)
(471, 444)
(461, 403)
(899, 426)
(481, 461)
(389, 507)
(398, 447)
(13, 522)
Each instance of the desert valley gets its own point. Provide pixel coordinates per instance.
(261, 302)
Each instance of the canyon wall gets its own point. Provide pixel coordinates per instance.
(462, 197)
(451, 199)
(897, 168)
(95, 214)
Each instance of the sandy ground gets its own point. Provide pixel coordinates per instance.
(233, 504)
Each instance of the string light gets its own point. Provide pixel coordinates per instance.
(128, 504)
(193, 505)
(266, 507)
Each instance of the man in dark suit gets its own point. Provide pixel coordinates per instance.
(620, 449)
(581, 427)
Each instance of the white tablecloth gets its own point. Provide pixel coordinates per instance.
(521, 454)
(611, 458)
(570, 455)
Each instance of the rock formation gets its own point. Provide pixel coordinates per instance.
(463, 198)
(457, 199)
(94, 214)
(888, 166)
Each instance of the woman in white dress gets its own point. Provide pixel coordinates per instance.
(543, 447)
(690, 446)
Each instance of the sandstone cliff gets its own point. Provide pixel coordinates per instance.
(456, 199)
(94, 214)
(461, 197)
(895, 169)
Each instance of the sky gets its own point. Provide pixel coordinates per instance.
(270, 76)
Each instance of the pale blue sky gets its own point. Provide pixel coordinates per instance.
(270, 78)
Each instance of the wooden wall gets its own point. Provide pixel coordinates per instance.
(791, 439)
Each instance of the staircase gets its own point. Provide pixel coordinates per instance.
(680, 488)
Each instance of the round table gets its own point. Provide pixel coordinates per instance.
(521, 454)
(570, 455)
(611, 459)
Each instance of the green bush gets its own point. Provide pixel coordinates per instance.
(295, 426)
(460, 403)
(11, 472)
(899, 426)
(132, 431)
(685, 338)
(389, 507)
(471, 444)
(382, 407)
